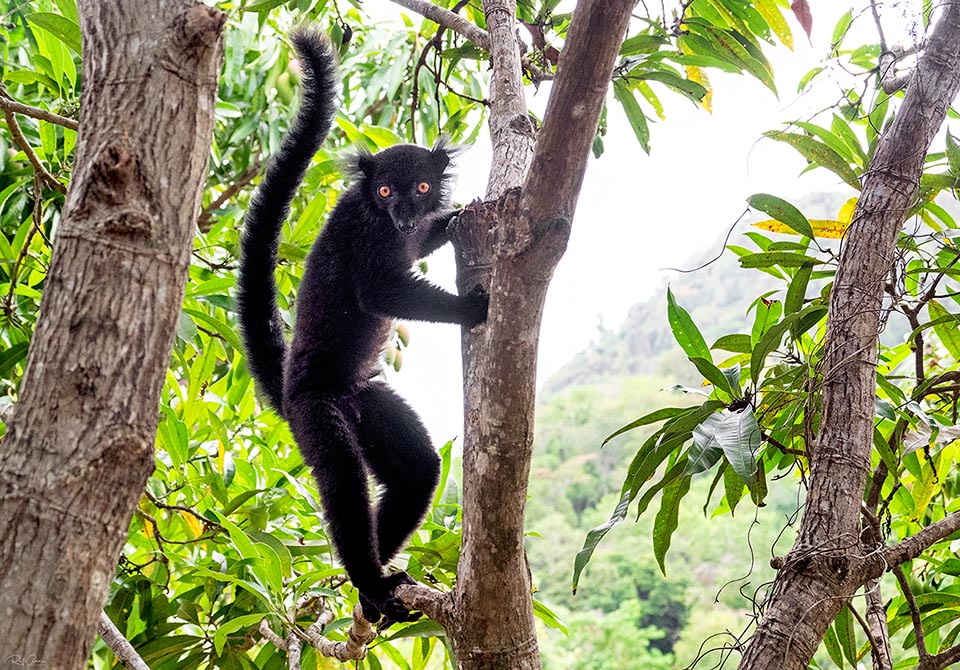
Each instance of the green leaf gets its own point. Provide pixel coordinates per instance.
(797, 290)
(11, 356)
(945, 326)
(667, 517)
(833, 647)
(685, 331)
(953, 154)
(596, 534)
(818, 153)
(732, 487)
(232, 626)
(782, 211)
(61, 27)
(652, 417)
(638, 120)
(641, 44)
(843, 625)
(737, 343)
(739, 435)
(546, 615)
(784, 259)
(706, 451)
(713, 374)
(769, 341)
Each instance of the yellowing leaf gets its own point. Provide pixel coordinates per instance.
(846, 212)
(695, 74)
(148, 529)
(193, 523)
(822, 228)
(770, 12)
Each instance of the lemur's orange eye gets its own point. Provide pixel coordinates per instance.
(423, 187)
(384, 191)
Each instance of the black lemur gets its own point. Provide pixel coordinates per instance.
(358, 277)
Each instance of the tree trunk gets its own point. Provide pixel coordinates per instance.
(516, 241)
(823, 570)
(79, 448)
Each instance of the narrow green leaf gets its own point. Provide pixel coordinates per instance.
(833, 647)
(12, 356)
(769, 341)
(544, 613)
(797, 290)
(652, 417)
(738, 343)
(596, 534)
(732, 487)
(232, 626)
(638, 120)
(685, 331)
(61, 27)
(782, 211)
(819, 153)
(843, 625)
(712, 374)
(784, 259)
(667, 517)
(947, 332)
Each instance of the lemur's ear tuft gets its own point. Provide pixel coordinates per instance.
(360, 164)
(443, 152)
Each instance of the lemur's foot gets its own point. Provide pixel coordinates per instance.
(382, 607)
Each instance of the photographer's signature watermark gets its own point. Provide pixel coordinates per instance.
(20, 661)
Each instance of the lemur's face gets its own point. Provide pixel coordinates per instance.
(407, 182)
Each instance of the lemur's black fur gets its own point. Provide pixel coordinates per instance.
(358, 277)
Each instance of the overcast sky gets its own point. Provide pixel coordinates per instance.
(638, 214)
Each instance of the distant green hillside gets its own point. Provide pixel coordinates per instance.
(717, 297)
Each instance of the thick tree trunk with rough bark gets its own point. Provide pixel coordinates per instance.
(79, 448)
(827, 564)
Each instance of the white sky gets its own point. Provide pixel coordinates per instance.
(638, 213)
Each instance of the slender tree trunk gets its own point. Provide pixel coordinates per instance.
(80, 446)
(517, 241)
(823, 569)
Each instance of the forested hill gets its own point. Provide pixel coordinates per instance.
(717, 297)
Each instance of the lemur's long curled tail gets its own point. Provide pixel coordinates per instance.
(260, 322)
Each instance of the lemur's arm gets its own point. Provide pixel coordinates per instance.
(437, 235)
(407, 296)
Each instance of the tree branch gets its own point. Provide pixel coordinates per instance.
(552, 186)
(437, 605)
(206, 216)
(21, 141)
(921, 639)
(461, 26)
(9, 104)
(448, 19)
(120, 646)
(911, 547)
(361, 634)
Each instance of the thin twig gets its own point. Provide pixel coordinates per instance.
(25, 249)
(209, 523)
(914, 614)
(462, 26)
(206, 216)
(120, 646)
(21, 141)
(9, 104)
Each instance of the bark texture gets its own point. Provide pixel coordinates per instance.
(80, 446)
(824, 568)
(512, 243)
